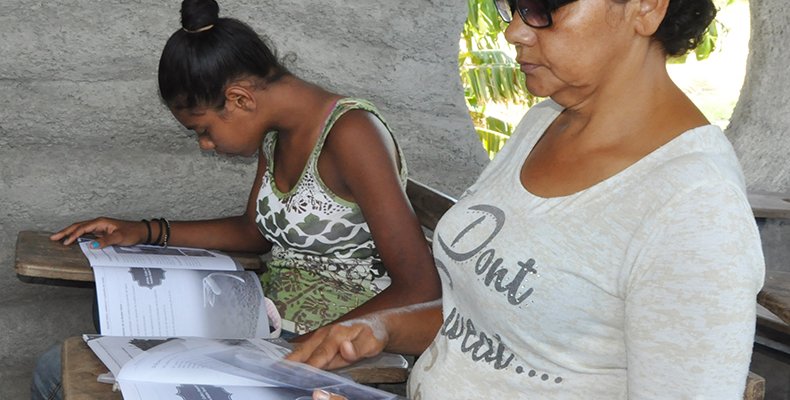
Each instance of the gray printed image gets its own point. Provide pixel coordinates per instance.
(155, 250)
(232, 302)
(208, 392)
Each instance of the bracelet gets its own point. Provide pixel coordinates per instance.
(167, 231)
(161, 229)
(148, 228)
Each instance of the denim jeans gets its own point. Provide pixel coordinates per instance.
(46, 383)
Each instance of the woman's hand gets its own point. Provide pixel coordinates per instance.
(342, 344)
(324, 395)
(108, 231)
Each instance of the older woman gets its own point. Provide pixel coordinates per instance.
(608, 252)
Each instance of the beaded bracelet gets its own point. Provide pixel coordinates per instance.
(161, 230)
(167, 231)
(148, 228)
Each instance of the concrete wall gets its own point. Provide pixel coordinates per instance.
(761, 121)
(82, 132)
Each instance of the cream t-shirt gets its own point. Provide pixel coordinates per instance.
(640, 287)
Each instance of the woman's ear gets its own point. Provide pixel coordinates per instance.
(649, 16)
(240, 97)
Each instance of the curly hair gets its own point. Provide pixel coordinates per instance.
(684, 24)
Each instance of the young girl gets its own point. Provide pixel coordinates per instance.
(328, 198)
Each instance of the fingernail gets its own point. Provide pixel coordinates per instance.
(320, 395)
(95, 245)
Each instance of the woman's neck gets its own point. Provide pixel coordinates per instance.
(640, 95)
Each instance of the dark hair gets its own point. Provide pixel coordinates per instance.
(684, 24)
(199, 60)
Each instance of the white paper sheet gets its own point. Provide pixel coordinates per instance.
(175, 302)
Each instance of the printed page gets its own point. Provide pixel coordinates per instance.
(172, 391)
(115, 351)
(228, 364)
(174, 302)
(143, 256)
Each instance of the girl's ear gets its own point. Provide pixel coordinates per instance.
(649, 16)
(240, 97)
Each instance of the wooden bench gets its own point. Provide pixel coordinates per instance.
(755, 387)
(428, 203)
(770, 205)
(35, 255)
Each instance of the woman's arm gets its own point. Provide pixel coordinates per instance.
(360, 162)
(407, 330)
(690, 298)
(239, 233)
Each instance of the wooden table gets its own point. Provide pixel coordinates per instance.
(40, 260)
(775, 295)
(770, 205)
(81, 367)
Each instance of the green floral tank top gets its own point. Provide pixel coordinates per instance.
(324, 261)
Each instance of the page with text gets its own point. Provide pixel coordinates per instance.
(175, 302)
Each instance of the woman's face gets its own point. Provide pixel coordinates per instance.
(578, 55)
(224, 132)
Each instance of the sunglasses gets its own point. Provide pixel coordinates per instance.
(535, 13)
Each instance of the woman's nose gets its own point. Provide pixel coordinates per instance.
(519, 33)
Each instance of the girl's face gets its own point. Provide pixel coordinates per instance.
(224, 131)
(578, 54)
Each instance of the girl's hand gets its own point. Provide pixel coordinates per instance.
(108, 232)
(338, 345)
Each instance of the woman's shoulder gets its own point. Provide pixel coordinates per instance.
(700, 156)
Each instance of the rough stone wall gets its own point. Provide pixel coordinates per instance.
(760, 125)
(82, 132)
(761, 121)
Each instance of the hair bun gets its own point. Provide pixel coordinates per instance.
(198, 14)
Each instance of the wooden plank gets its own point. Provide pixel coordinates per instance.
(429, 204)
(755, 387)
(39, 257)
(378, 375)
(80, 369)
(775, 295)
(770, 205)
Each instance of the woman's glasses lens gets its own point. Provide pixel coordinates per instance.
(505, 9)
(533, 12)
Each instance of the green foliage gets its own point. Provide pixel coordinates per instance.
(491, 76)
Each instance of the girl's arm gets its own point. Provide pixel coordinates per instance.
(239, 233)
(360, 162)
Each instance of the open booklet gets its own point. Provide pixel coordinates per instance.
(214, 369)
(175, 291)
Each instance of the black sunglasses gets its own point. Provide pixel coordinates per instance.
(535, 13)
